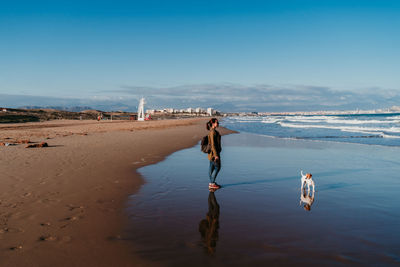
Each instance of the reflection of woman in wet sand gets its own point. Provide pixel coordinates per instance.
(307, 199)
(208, 227)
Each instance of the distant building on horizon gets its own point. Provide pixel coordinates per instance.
(200, 110)
(193, 111)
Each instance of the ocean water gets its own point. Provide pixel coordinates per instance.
(375, 129)
(260, 216)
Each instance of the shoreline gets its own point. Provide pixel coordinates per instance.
(316, 140)
(64, 205)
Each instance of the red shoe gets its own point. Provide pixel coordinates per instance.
(214, 186)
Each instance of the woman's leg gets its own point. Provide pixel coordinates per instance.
(210, 172)
(217, 168)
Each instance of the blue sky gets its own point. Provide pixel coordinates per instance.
(125, 49)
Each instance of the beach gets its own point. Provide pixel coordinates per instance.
(64, 205)
(136, 194)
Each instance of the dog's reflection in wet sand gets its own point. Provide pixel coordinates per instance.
(307, 198)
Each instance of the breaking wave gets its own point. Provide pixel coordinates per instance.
(382, 129)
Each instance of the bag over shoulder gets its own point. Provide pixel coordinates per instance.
(205, 145)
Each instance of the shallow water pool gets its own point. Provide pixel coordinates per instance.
(260, 216)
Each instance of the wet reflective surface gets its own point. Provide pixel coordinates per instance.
(261, 216)
(209, 226)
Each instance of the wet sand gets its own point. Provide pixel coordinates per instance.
(259, 216)
(63, 205)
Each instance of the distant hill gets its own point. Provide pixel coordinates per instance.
(35, 113)
(8, 115)
(91, 111)
(72, 109)
(67, 104)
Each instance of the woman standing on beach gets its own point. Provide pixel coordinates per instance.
(214, 139)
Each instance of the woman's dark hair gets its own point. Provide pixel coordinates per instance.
(211, 122)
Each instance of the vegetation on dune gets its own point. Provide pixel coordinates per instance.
(8, 115)
(17, 118)
(34, 115)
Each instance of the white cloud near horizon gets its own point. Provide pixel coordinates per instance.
(226, 97)
(267, 97)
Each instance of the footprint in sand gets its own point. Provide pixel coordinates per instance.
(11, 230)
(72, 218)
(27, 194)
(47, 238)
(73, 207)
(16, 247)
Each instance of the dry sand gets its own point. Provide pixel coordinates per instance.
(63, 205)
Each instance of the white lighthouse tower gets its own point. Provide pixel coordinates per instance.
(141, 110)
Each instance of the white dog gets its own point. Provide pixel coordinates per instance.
(307, 179)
